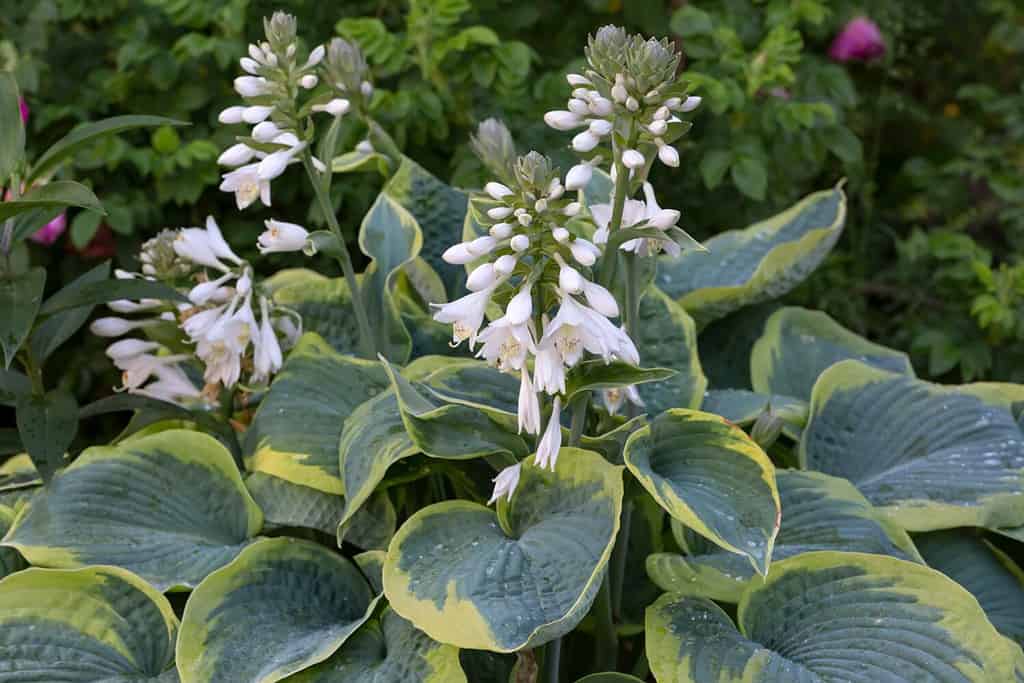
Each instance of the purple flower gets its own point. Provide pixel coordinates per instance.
(24, 109)
(860, 40)
(49, 233)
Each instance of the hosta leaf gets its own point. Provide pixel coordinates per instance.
(758, 263)
(170, 507)
(10, 559)
(667, 338)
(596, 374)
(832, 616)
(712, 477)
(725, 346)
(18, 472)
(609, 677)
(819, 512)
(930, 457)
(464, 578)
(89, 625)
(445, 428)
(742, 407)
(390, 650)
(438, 208)
(20, 297)
(296, 430)
(280, 607)
(466, 379)
(798, 345)
(987, 572)
(390, 236)
(371, 564)
(325, 305)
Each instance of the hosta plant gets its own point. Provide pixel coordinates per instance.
(544, 436)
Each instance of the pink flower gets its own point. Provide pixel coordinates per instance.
(49, 233)
(860, 40)
(24, 109)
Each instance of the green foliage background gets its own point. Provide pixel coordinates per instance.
(930, 137)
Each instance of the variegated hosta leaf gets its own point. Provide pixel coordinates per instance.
(742, 407)
(390, 650)
(832, 616)
(10, 559)
(930, 457)
(297, 428)
(170, 507)
(18, 472)
(440, 211)
(983, 569)
(819, 512)
(371, 564)
(725, 346)
(667, 338)
(467, 379)
(501, 582)
(609, 677)
(325, 305)
(282, 606)
(712, 477)
(89, 625)
(759, 263)
(452, 428)
(798, 345)
(288, 505)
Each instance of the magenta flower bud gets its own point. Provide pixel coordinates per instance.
(49, 233)
(860, 40)
(23, 105)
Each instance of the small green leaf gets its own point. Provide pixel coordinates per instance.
(713, 166)
(12, 142)
(47, 425)
(13, 385)
(57, 194)
(57, 329)
(20, 297)
(84, 227)
(87, 133)
(79, 294)
(750, 177)
(596, 374)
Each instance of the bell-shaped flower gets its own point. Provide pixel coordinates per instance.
(505, 345)
(267, 357)
(551, 441)
(505, 483)
(127, 348)
(529, 404)
(236, 155)
(465, 315)
(613, 398)
(520, 307)
(247, 185)
(548, 368)
(281, 237)
(115, 327)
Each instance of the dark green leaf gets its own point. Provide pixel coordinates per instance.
(713, 166)
(12, 140)
(47, 425)
(750, 177)
(54, 331)
(59, 193)
(76, 295)
(596, 374)
(13, 385)
(19, 303)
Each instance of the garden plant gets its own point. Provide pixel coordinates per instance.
(544, 435)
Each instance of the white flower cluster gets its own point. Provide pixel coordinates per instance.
(588, 107)
(529, 257)
(220, 318)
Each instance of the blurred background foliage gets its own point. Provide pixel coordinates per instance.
(929, 135)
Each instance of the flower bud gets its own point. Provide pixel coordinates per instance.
(274, 164)
(767, 428)
(236, 155)
(600, 299)
(570, 280)
(658, 127)
(664, 219)
(601, 106)
(504, 265)
(501, 230)
(115, 327)
(583, 252)
(668, 155)
(255, 114)
(579, 107)
(366, 88)
(632, 104)
(578, 177)
(520, 307)
(619, 92)
(673, 103)
(541, 205)
(458, 254)
(315, 57)
(266, 131)
(309, 81)
(497, 190)
(499, 212)
(481, 277)
(633, 159)
(128, 348)
(251, 86)
(690, 103)
(600, 127)
(231, 115)
(576, 80)
(662, 113)
(280, 236)
(482, 245)
(572, 208)
(520, 243)
(585, 141)
(562, 120)
(560, 234)
(524, 219)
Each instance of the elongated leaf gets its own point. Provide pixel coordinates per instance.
(12, 142)
(819, 512)
(712, 477)
(57, 329)
(464, 578)
(58, 194)
(13, 385)
(930, 457)
(596, 374)
(743, 407)
(78, 294)
(831, 616)
(798, 345)
(47, 425)
(468, 380)
(758, 263)
(84, 626)
(170, 507)
(18, 472)
(10, 559)
(280, 607)
(89, 132)
(987, 572)
(667, 338)
(20, 297)
(390, 650)
(296, 431)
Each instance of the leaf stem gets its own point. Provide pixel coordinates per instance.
(619, 554)
(580, 405)
(366, 338)
(607, 650)
(618, 201)
(552, 660)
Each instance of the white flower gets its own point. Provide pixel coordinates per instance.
(501, 230)
(115, 327)
(690, 103)
(275, 163)
(601, 106)
(505, 264)
(482, 276)
(585, 141)
(172, 385)
(614, 397)
(204, 291)
(505, 345)
(482, 246)
(668, 154)
(223, 345)
(231, 115)
(579, 107)
(600, 299)
(632, 104)
(316, 55)
(198, 324)
(576, 80)
(280, 236)
(577, 327)
(266, 131)
(252, 86)
(520, 243)
(505, 483)
(136, 370)
(497, 190)
(529, 404)
(633, 159)
(236, 155)
(364, 147)
(570, 280)
(309, 81)
(560, 234)
(459, 254)
(657, 127)
(551, 442)
(336, 107)
(128, 306)
(218, 244)
(619, 92)
(256, 113)
(126, 348)
(465, 315)
(247, 185)
(267, 358)
(548, 368)
(600, 127)
(578, 176)
(563, 120)
(584, 252)
(520, 307)
(499, 212)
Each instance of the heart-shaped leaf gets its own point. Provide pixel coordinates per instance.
(390, 649)
(667, 338)
(297, 428)
(931, 457)
(798, 345)
(20, 297)
(712, 477)
(88, 625)
(742, 407)
(325, 305)
(282, 606)
(986, 571)
(758, 263)
(819, 512)
(465, 578)
(170, 507)
(832, 616)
